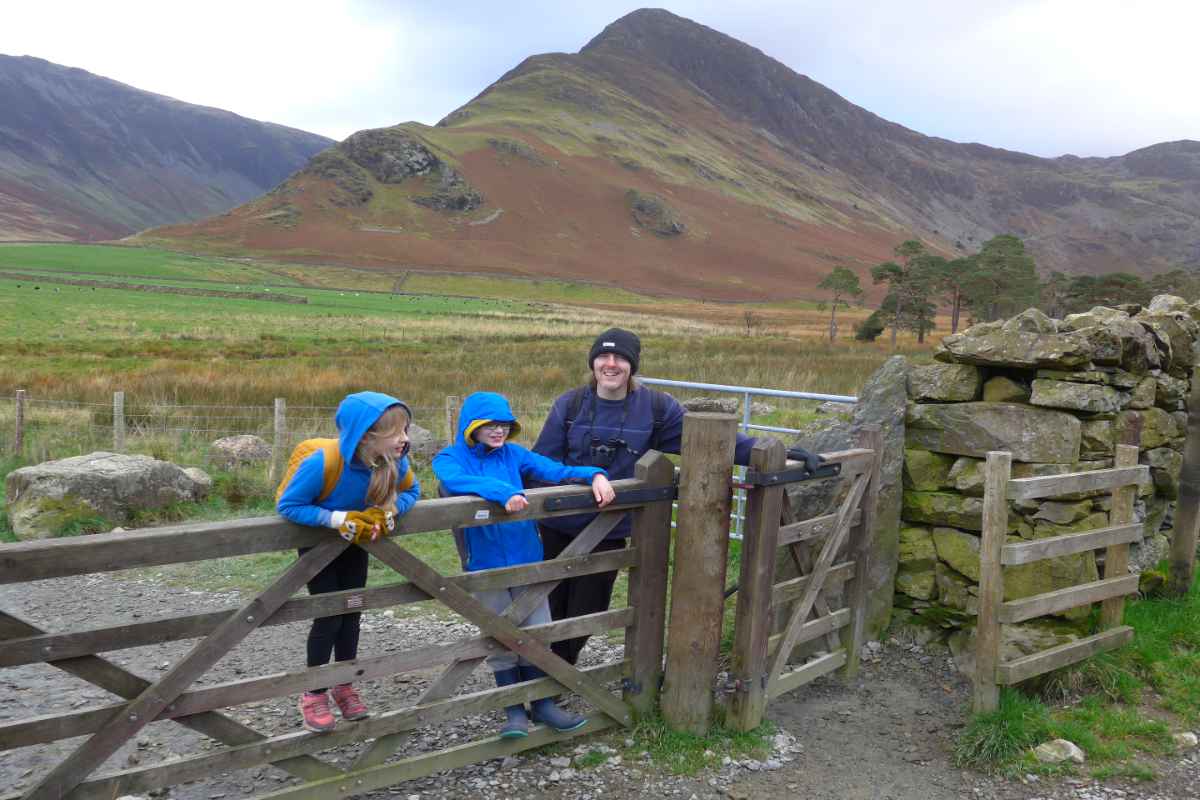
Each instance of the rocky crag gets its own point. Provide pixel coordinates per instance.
(1059, 395)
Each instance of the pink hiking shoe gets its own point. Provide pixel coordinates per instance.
(349, 703)
(314, 709)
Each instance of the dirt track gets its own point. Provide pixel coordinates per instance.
(888, 735)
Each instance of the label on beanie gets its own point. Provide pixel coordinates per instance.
(609, 344)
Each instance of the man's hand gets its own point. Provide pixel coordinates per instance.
(518, 502)
(602, 490)
(812, 461)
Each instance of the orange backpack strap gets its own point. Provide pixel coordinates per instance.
(332, 465)
(406, 480)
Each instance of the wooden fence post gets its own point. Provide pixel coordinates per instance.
(996, 473)
(698, 581)
(279, 452)
(1116, 556)
(752, 629)
(861, 546)
(451, 417)
(119, 422)
(651, 541)
(1187, 509)
(19, 423)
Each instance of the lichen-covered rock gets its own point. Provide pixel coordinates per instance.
(44, 500)
(966, 476)
(1026, 580)
(1139, 352)
(1063, 513)
(955, 591)
(1091, 397)
(916, 544)
(1143, 395)
(973, 429)
(943, 508)
(1169, 392)
(1002, 389)
(916, 579)
(958, 549)
(1165, 467)
(944, 382)
(1045, 528)
(926, 471)
(1158, 427)
(1096, 438)
(1178, 329)
(1017, 343)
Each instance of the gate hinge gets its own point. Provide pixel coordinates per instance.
(740, 685)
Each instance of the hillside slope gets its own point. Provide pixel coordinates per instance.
(84, 157)
(668, 157)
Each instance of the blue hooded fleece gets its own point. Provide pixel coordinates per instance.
(470, 467)
(355, 416)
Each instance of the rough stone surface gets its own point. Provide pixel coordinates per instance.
(1144, 394)
(1169, 391)
(926, 471)
(966, 476)
(1008, 344)
(422, 442)
(45, 498)
(1058, 751)
(1165, 467)
(973, 429)
(944, 508)
(1096, 439)
(1158, 427)
(944, 382)
(1139, 351)
(1002, 389)
(232, 451)
(720, 405)
(1063, 513)
(958, 549)
(1090, 397)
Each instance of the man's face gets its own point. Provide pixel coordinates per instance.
(612, 371)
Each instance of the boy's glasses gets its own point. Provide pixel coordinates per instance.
(497, 427)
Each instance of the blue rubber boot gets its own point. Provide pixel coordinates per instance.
(546, 710)
(517, 725)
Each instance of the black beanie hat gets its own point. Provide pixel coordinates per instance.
(619, 341)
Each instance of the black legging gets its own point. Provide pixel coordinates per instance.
(337, 636)
(574, 597)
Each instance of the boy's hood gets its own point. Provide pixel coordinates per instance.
(483, 407)
(355, 416)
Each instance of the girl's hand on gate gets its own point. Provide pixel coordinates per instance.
(517, 502)
(602, 490)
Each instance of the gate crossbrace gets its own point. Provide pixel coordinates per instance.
(829, 551)
(113, 678)
(127, 722)
(802, 558)
(454, 675)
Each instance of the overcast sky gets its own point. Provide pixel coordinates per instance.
(1089, 77)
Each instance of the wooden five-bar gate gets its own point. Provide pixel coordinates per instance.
(638, 674)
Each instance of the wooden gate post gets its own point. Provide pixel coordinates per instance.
(451, 418)
(1116, 556)
(861, 547)
(19, 423)
(752, 629)
(279, 453)
(698, 581)
(1187, 511)
(119, 422)
(651, 540)
(997, 471)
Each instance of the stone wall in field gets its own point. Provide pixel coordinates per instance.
(1058, 395)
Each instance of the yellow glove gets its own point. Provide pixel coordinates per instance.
(362, 526)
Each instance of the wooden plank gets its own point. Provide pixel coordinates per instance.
(51, 647)
(856, 459)
(38, 730)
(143, 779)
(55, 558)
(794, 588)
(1068, 543)
(107, 675)
(651, 543)
(698, 579)
(1187, 508)
(803, 561)
(1070, 597)
(815, 528)
(996, 473)
(824, 561)
(752, 622)
(815, 628)
(1039, 663)
(139, 713)
(1073, 482)
(453, 676)
(862, 546)
(1116, 556)
(806, 674)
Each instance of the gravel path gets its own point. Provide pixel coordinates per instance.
(888, 736)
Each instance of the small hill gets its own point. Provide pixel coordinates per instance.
(668, 157)
(87, 158)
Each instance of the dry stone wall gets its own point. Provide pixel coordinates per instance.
(1059, 395)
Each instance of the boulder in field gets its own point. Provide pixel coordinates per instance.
(233, 451)
(421, 442)
(47, 499)
(973, 429)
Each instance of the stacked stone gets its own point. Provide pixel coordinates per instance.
(1058, 395)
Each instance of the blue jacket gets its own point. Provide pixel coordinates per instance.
(355, 416)
(470, 467)
(630, 421)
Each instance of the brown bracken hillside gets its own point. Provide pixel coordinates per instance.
(667, 157)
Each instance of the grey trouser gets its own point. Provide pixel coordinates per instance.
(498, 600)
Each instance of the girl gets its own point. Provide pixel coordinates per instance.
(374, 485)
(482, 461)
